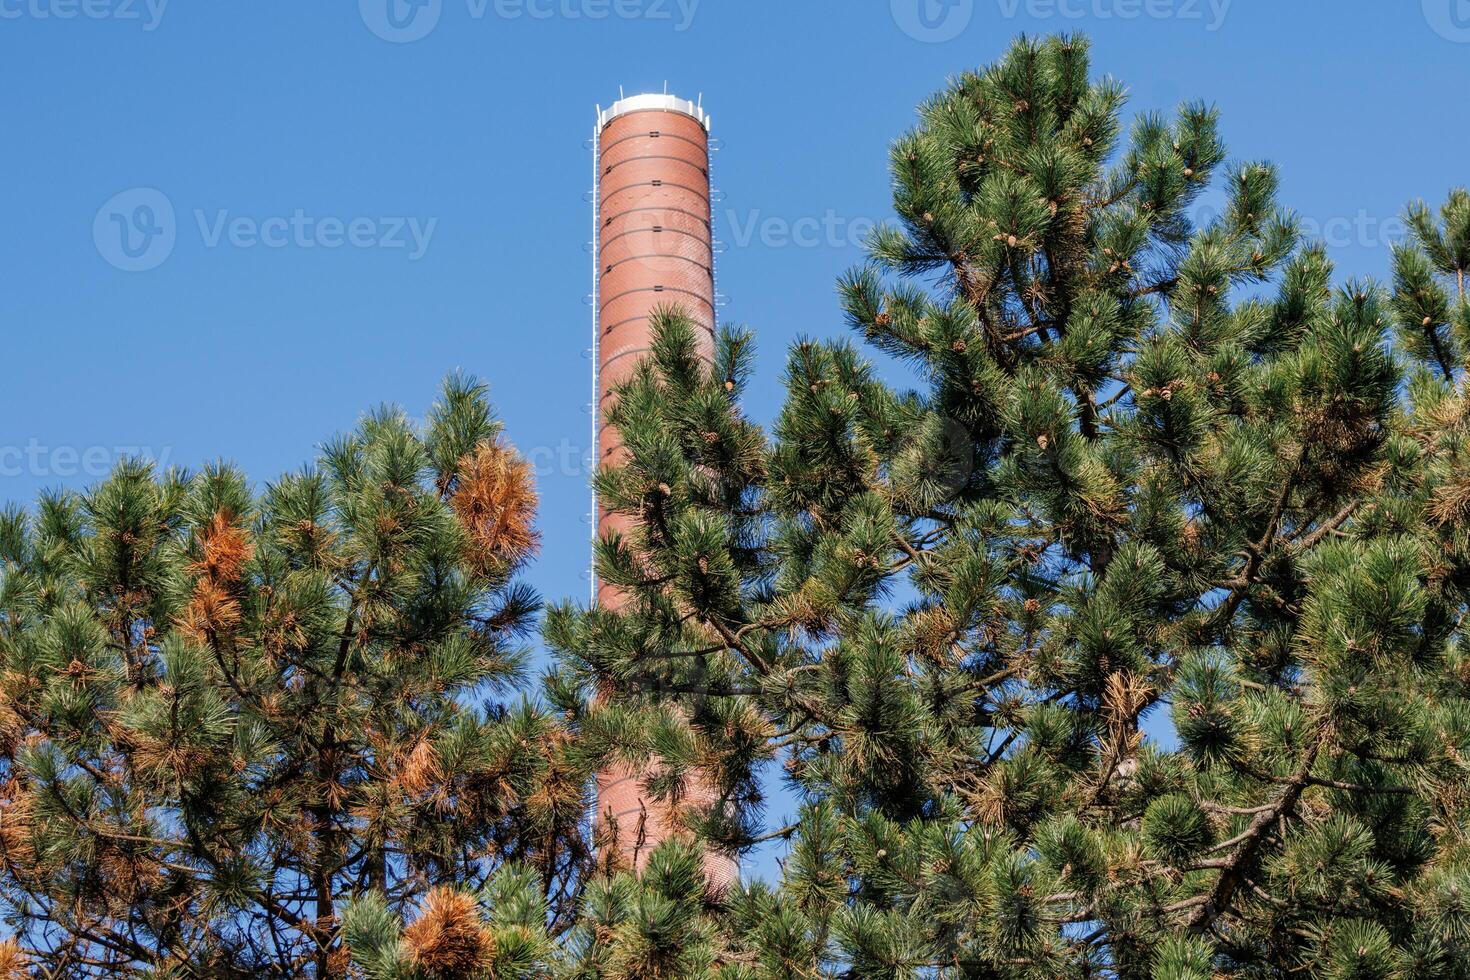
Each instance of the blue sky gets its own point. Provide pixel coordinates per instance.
(365, 199)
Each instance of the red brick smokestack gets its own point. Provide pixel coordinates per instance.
(655, 249)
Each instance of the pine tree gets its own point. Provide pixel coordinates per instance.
(1155, 466)
(226, 714)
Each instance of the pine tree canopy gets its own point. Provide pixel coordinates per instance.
(223, 715)
(1129, 642)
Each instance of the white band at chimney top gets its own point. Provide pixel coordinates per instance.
(658, 102)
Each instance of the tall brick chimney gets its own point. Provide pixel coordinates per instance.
(654, 248)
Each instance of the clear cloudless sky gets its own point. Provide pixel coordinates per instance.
(474, 133)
